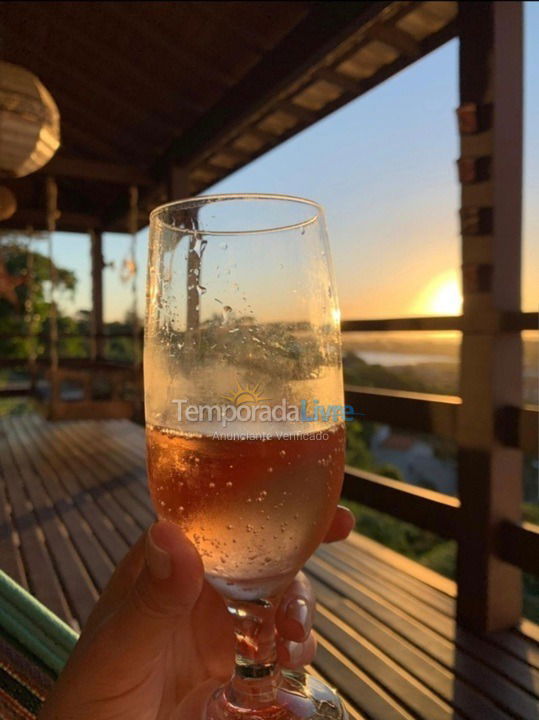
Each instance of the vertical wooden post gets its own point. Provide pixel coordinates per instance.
(98, 342)
(490, 168)
(179, 188)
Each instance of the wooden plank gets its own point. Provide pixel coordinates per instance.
(396, 680)
(12, 562)
(507, 321)
(529, 630)
(474, 660)
(420, 412)
(353, 714)
(65, 495)
(362, 563)
(85, 169)
(490, 476)
(427, 509)
(99, 483)
(356, 686)
(518, 544)
(37, 218)
(422, 323)
(453, 690)
(529, 429)
(41, 573)
(88, 552)
(399, 562)
(120, 480)
(56, 522)
(72, 476)
(123, 453)
(510, 641)
(120, 474)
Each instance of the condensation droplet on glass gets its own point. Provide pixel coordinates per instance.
(282, 453)
(229, 483)
(270, 469)
(212, 485)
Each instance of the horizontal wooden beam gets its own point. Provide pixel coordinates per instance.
(519, 545)
(518, 427)
(413, 323)
(527, 321)
(486, 321)
(74, 167)
(425, 508)
(437, 414)
(419, 412)
(529, 429)
(37, 219)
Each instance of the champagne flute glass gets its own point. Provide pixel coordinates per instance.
(245, 416)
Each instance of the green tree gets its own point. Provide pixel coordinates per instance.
(25, 278)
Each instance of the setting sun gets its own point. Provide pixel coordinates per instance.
(441, 296)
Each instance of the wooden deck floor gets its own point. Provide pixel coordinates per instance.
(73, 498)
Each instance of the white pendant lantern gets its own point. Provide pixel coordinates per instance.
(29, 122)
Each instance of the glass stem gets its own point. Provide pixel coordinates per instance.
(256, 675)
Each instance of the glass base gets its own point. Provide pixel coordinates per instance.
(299, 696)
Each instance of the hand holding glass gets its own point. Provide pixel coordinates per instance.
(244, 415)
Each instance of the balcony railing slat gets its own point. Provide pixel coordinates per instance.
(425, 508)
(413, 323)
(519, 545)
(491, 319)
(419, 412)
(438, 414)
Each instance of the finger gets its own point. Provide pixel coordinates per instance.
(294, 617)
(342, 525)
(163, 594)
(294, 655)
(117, 589)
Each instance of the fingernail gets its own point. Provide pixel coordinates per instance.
(298, 611)
(157, 559)
(295, 652)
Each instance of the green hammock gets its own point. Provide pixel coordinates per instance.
(34, 647)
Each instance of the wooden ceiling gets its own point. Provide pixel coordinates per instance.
(145, 87)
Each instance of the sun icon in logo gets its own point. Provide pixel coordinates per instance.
(245, 395)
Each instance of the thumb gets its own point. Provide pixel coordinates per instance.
(164, 592)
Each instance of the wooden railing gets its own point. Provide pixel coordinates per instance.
(438, 415)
